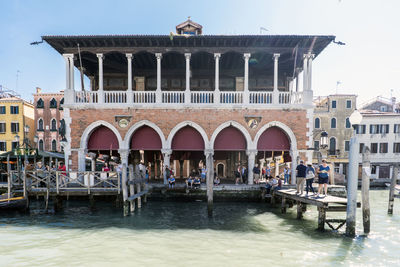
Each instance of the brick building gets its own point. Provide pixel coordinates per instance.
(48, 118)
(183, 98)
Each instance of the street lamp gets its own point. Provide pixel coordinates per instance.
(324, 140)
(355, 118)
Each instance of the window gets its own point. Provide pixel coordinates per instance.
(317, 123)
(53, 125)
(15, 127)
(379, 128)
(332, 146)
(61, 103)
(333, 103)
(383, 148)
(41, 146)
(316, 145)
(348, 103)
(53, 103)
(373, 169)
(361, 147)
(396, 128)
(14, 145)
(348, 125)
(2, 127)
(2, 109)
(40, 103)
(361, 129)
(347, 145)
(54, 145)
(40, 125)
(374, 147)
(383, 108)
(333, 123)
(3, 146)
(396, 147)
(14, 109)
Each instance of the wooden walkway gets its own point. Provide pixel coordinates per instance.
(324, 204)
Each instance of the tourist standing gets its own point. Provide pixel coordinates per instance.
(237, 175)
(300, 177)
(310, 175)
(268, 171)
(286, 173)
(256, 172)
(323, 177)
(244, 174)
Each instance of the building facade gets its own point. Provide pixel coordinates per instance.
(380, 131)
(331, 115)
(16, 118)
(183, 98)
(48, 119)
(382, 104)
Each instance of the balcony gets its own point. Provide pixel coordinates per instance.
(177, 99)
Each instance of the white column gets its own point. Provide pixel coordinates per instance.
(124, 156)
(305, 72)
(209, 153)
(275, 94)
(246, 94)
(129, 93)
(167, 156)
(217, 93)
(100, 92)
(158, 90)
(309, 71)
(71, 71)
(294, 155)
(251, 154)
(81, 159)
(67, 71)
(187, 90)
(307, 92)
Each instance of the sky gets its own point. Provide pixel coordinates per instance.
(368, 65)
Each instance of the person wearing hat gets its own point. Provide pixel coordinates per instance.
(323, 177)
(300, 177)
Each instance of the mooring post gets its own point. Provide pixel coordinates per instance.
(392, 186)
(283, 207)
(210, 181)
(124, 190)
(366, 172)
(299, 210)
(9, 176)
(352, 184)
(139, 199)
(92, 201)
(131, 188)
(321, 218)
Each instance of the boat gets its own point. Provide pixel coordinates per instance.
(13, 203)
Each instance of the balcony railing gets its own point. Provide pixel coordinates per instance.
(210, 98)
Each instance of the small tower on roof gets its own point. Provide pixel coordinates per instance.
(189, 27)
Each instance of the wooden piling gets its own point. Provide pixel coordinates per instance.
(299, 210)
(131, 188)
(366, 170)
(352, 184)
(92, 201)
(210, 182)
(392, 186)
(124, 190)
(283, 207)
(9, 176)
(321, 218)
(139, 199)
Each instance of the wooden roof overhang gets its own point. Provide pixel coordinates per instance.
(115, 47)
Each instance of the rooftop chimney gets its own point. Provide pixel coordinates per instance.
(38, 90)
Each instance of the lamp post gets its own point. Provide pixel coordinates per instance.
(352, 181)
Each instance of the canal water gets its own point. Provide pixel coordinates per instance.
(181, 234)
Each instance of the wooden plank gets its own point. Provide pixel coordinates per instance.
(137, 195)
(137, 181)
(336, 209)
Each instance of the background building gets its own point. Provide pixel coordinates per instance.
(48, 118)
(382, 104)
(331, 114)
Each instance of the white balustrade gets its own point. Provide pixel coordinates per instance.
(296, 98)
(260, 98)
(86, 97)
(115, 97)
(284, 97)
(231, 97)
(144, 97)
(202, 97)
(173, 97)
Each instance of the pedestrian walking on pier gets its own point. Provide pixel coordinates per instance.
(300, 177)
(310, 175)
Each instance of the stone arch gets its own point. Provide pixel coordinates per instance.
(182, 125)
(283, 127)
(88, 131)
(238, 126)
(136, 126)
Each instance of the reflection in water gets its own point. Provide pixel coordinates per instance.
(181, 234)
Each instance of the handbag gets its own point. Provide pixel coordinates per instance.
(310, 175)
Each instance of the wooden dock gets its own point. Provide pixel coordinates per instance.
(324, 204)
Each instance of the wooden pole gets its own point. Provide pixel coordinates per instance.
(299, 210)
(283, 207)
(9, 176)
(321, 218)
(131, 187)
(210, 182)
(138, 187)
(352, 184)
(366, 171)
(124, 190)
(392, 186)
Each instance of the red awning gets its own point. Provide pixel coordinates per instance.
(230, 139)
(273, 139)
(188, 138)
(102, 138)
(145, 138)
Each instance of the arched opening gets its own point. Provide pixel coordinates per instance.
(40, 103)
(332, 146)
(220, 169)
(273, 151)
(41, 145)
(230, 148)
(40, 125)
(53, 125)
(54, 145)
(53, 103)
(317, 123)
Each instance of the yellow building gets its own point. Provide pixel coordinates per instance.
(17, 117)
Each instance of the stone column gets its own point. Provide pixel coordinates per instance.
(67, 73)
(187, 89)
(81, 159)
(158, 90)
(275, 94)
(167, 156)
(307, 92)
(124, 156)
(129, 91)
(209, 153)
(305, 72)
(69, 90)
(276, 162)
(251, 154)
(294, 154)
(217, 92)
(246, 94)
(101, 83)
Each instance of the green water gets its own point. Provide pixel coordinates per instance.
(180, 234)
